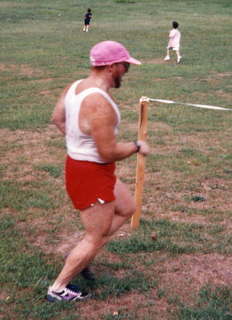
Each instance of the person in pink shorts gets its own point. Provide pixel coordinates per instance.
(174, 42)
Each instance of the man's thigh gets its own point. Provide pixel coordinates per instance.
(97, 219)
(124, 203)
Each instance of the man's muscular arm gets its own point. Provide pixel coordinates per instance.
(98, 119)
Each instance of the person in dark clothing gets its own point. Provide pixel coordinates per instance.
(87, 19)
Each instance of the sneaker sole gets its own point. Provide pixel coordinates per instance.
(50, 298)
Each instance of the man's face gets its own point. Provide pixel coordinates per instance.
(120, 69)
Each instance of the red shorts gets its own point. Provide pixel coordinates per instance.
(89, 182)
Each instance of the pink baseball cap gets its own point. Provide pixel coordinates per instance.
(109, 52)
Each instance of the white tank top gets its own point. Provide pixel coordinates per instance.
(81, 146)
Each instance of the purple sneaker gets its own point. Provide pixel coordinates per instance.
(70, 293)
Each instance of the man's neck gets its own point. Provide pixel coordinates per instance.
(100, 80)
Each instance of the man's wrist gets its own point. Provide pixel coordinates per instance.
(137, 146)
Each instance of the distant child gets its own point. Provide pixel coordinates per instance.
(174, 42)
(87, 18)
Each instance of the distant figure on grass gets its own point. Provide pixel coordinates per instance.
(88, 116)
(87, 19)
(174, 42)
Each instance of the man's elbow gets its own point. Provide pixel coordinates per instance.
(57, 120)
(59, 123)
(54, 119)
(107, 156)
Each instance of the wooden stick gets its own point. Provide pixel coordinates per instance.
(142, 135)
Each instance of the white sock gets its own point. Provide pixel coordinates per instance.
(56, 288)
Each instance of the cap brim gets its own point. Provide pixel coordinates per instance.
(130, 60)
(133, 61)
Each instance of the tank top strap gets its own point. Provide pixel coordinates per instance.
(83, 94)
(71, 91)
(73, 87)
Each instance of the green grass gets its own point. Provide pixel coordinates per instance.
(53, 171)
(27, 196)
(111, 286)
(24, 268)
(213, 304)
(174, 238)
(187, 192)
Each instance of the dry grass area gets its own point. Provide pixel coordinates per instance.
(179, 276)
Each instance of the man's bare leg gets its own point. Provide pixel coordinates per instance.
(97, 221)
(124, 206)
(100, 222)
(124, 209)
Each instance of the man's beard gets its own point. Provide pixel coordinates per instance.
(117, 82)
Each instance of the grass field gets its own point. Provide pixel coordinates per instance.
(186, 273)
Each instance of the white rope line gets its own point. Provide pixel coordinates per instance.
(204, 106)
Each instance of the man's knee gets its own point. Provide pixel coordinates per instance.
(96, 241)
(125, 204)
(131, 211)
(128, 210)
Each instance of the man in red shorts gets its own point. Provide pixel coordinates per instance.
(89, 118)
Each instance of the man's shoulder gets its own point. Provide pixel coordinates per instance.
(97, 97)
(96, 104)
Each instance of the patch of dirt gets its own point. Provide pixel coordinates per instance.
(3, 295)
(161, 126)
(186, 275)
(221, 93)
(66, 241)
(43, 80)
(22, 149)
(125, 173)
(181, 276)
(130, 126)
(134, 303)
(12, 4)
(180, 217)
(46, 93)
(224, 74)
(22, 69)
(156, 61)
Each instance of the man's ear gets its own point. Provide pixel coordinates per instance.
(110, 67)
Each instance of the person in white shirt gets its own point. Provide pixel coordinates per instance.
(88, 116)
(174, 42)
